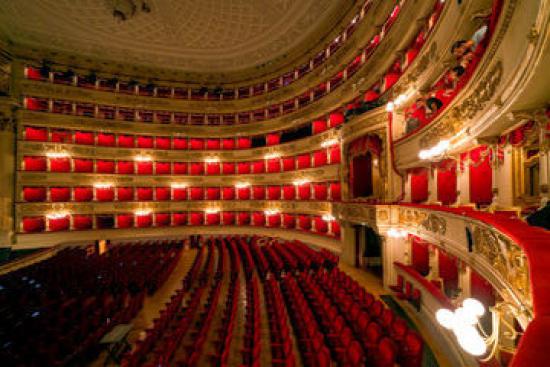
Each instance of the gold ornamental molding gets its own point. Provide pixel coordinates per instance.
(291, 207)
(374, 121)
(324, 174)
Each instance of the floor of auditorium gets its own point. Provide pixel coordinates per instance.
(153, 304)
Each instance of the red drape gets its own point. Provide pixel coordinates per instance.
(273, 192)
(481, 176)
(60, 164)
(420, 257)
(105, 166)
(83, 165)
(59, 194)
(106, 194)
(126, 141)
(228, 218)
(163, 168)
(304, 161)
(228, 193)
(228, 168)
(448, 271)
(83, 194)
(82, 222)
(34, 163)
(179, 194)
(179, 219)
(145, 142)
(180, 143)
(162, 142)
(162, 193)
(180, 168)
(162, 219)
(446, 182)
(213, 193)
(106, 140)
(419, 185)
(125, 193)
(34, 194)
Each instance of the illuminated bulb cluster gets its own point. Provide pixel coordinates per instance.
(302, 181)
(400, 100)
(57, 215)
(272, 156)
(271, 212)
(103, 185)
(397, 233)
(142, 212)
(212, 211)
(328, 217)
(178, 185)
(462, 322)
(329, 143)
(211, 160)
(57, 154)
(435, 151)
(242, 185)
(142, 158)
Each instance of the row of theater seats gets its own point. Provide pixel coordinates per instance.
(136, 167)
(79, 222)
(55, 312)
(149, 90)
(333, 320)
(307, 191)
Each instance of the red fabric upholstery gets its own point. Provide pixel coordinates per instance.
(144, 168)
(213, 144)
(162, 193)
(145, 142)
(243, 218)
(318, 126)
(196, 168)
(288, 164)
(243, 168)
(304, 222)
(196, 144)
(534, 344)
(320, 158)
(144, 193)
(179, 219)
(446, 183)
(143, 221)
(105, 194)
(228, 193)
(213, 168)
(82, 222)
(258, 167)
(82, 194)
(273, 193)
(163, 168)
(179, 194)
(59, 224)
(106, 140)
(371, 96)
(102, 166)
(289, 221)
(162, 142)
(34, 194)
(289, 192)
(258, 219)
(448, 271)
(59, 194)
(196, 193)
(125, 167)
(244, 143)
(336, 118)
(180, 168)
(34, 163)
(83, 165)
(125, 193)
(274, 220)
(84, 138)
(60, 165)
(36, 134)
(321, 226)
(482, 290)
(481, 176)
(419, 185)
(213, 193)
(228, 168)
(420, 256)
(335, 228)
(320, 191)
(34, 224)
(180, 143)
(213, 219)
(61, 136)
(258, 192)
(304, 191)
(272, 139)
(335, 191)
(162, 219)
(243, 193)
(228, 218)
(228, 144)
(126, 141)
(124, 221)
(196, 219)
(334, 154)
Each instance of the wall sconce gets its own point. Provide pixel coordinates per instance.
(328, 217)
(300, 182)
(212, 211)
(142, 212)
(103, 185)
(329, 143)
(397, 233)
(435, 151)
(57, 215)
(271, 212)
(57, 154)
(211, 160)
(178, 185)
(142, 158)
(272, 156)
(242, 185)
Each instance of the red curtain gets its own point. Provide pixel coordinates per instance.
(60, 165)
(124, 220)
(419, 185)
(180, 143)
(273, 165)
(180, 168)
(84, 138)
(336, 118)
(228, 218)
(83, 194)
(321, 226)
(126, 141)
(144, 168)
(243, 168)
(318, 126)
(481, 176)
(228, 144)
(289, 221)
(196, 193)
(36, 134)
(34, 224)
(35, 163)
(196, 144)
(304, 222)
(105, 194)
(125, 167)
(274, 220)
(83, 165)
(244, 143)
(273, 139)
(179, 219)
(125, 193)
(228, 168)
(258, 219)
(228, 193)
(213, 193)
(446, 182)
(335, 228)
(162, 168)
(179, 194)
(145, 142)
(162, 142)
(243, 193)
(288, 164)
(143, 221)
(34, 194)
(162, 193)
(448, 271)
(61, 136)
(212, 168)
(82, 222)
(334, 154)
(273, 192)
(335, 191)
(144, 193)
(162, 219)
(59, 194)
(320, 158)
(304, 191)
(320, 191)
(304, 161)
(213, 144)
(360, 175)
(196, 219)
(59, 224)
(196, 168)
(105, 166)
(106, 140)
(244, 218)
(258, 193)
(213, 219)
(420, 256)
(289, 192)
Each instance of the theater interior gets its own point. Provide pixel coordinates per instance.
(250, 183)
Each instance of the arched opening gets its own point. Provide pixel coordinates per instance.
(361, 175)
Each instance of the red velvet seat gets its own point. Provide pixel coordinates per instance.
(385, 355)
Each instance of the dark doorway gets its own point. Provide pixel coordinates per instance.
(361, 175)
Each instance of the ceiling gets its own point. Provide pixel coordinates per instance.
(201, 36)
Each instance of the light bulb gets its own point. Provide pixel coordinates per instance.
(470, 340)
(446, 318)
(327, 217)
(390, 106)
(465, 316)
(474, 306)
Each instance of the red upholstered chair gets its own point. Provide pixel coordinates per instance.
(144, 220)
(196, 193)
(304, 191)
(243, 168)
(243, 218)
(212, 219)
(258, 219)
(163, 142)
(335, 191)
(289, 192)
(126, 141)
(35, 163)
(257, 167)
(303, 161)
(371, 337)
(320, 191)
(304, 222)
(179, 193)
(244, 143)
(84, 138)
(82, 222)
(228, 168)
(213, 144)
(196, 144)
(34, 194)
(36, 134)
(335, 228)
(102, 166)
(124, 221)
(34, 224)
(163, 168)
(59, 224)
(61, 136)
(320, 158)
(272, 139)
(387, 318)
(179, 219)
(289, 221)
(213, 193)
(196, 168)
(334, 154)
(243, 193)
(144, 193)
(162, 193)
(386, 354)
(180, 143)
(125, 193)
(321, 226)
(336, 118)
(125, 167)
(144, 168)
(145, 142)
(274, 220)
(196, 219)
(83, 165)
(273, 192)
(60, 194)
(106, 140)
(399, 329)
(411, 350)
(258, 193)
(228, 193)
(212, 168)
(228, 218)
(273, 165)
(228, 144)
(318, 126)
(60, 165)
(288, 164)
(162, 219)
(180, 168)
(105, 194)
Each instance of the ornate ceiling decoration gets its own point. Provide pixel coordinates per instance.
(197, 36)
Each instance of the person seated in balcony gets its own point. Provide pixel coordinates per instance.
(434, 105)
(447, 87)
(468, 52)
(540, 218)
(352, 108)
(415, 115)
(371, 100)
